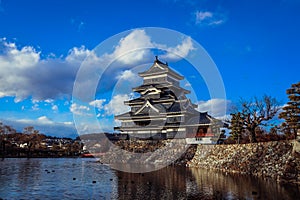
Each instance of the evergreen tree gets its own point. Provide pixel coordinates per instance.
(236, 126)
(291, 111)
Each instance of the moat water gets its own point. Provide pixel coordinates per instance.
(77, 178)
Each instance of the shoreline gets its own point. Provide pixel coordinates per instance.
(278, 160)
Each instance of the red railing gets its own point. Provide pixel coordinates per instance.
(192, 135)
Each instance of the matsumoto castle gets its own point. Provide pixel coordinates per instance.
(164, 112)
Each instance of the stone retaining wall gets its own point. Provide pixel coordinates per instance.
(278, 159)
(163, 152)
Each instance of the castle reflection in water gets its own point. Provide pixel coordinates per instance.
(68, 178)
(191, 183)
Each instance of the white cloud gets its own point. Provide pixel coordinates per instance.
(200, 15)
(131, 49)
(27, 121)
(26, 57)
(13, 62)
(180, 51)
(25, 74)
(128, 52)
(77, 55)
(35, 107)
(135, 46)
(86, 128)
(41, 120)
(49, 101)
(187, 84)
(209, 18)
(126, 80)
(44, 120)
(116, 105)
(215, 107)
(54, 108)
(98, 103)
(68, 123)
(79, 109)
(127, 75)
(216, 22)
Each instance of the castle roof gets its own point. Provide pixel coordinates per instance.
(159, 68)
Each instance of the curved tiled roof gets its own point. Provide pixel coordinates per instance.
(159, 67)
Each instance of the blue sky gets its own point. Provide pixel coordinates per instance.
(254, 44)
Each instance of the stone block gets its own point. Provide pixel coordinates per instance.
(296, 146)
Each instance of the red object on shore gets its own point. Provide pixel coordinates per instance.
(91, 155)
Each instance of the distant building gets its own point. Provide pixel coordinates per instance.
(163, 111)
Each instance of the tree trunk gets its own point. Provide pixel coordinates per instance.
(295, 133)
(252, 136)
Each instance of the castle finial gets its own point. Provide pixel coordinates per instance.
(156, 58)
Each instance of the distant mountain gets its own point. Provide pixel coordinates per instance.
(54, 130)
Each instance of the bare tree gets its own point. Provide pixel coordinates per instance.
(255, 113)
